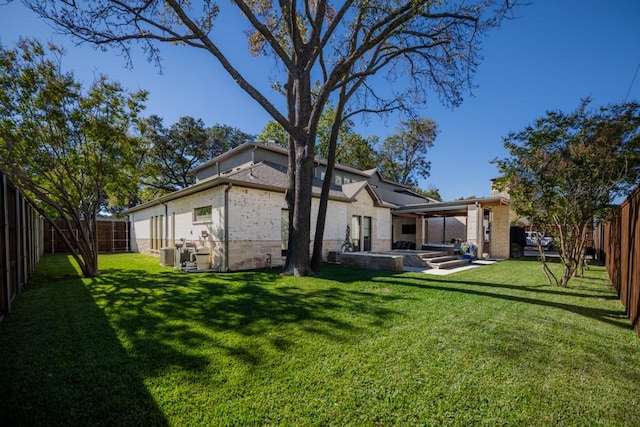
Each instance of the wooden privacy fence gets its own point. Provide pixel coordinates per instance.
(113, 236)
(21, 242)
(621, 246)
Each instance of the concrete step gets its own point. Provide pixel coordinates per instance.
(432, 254)
(448, 264)
(441, 258)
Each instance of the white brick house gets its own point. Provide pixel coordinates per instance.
(238, 210)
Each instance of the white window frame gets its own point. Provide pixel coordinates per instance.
(199, 217)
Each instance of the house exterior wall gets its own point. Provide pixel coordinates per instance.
(254, 225)
(380, 221)
(166, 225)
(334, 227)
(255, 228)
(398, 222)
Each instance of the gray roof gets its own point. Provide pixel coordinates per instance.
(452, 208)
(272, 175)
(263, 175)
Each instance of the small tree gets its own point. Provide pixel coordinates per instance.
(63, 147)
(565, 170)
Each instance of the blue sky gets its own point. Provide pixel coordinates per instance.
(553, 54)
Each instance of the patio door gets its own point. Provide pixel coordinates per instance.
(361, 233)
(355, 232)
(366, 233)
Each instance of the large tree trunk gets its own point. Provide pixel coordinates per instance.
(299, 255)
(298, 259)
(318, 241)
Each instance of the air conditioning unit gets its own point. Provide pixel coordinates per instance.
(167, 256)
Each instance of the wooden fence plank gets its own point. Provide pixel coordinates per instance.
(20, 242)
(113, 236)
(621, 245)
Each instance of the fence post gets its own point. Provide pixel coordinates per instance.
(53, 240)
(19, 242)
(6, 304)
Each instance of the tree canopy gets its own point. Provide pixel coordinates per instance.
(403, 156)
(320, 48)
(67, 148)
(565, 170)
(175, 151)
(352, 149)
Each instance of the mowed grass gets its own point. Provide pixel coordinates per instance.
(147, 345)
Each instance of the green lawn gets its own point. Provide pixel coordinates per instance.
(146, 345)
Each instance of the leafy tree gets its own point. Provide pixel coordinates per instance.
(223, 138)
(565, 170)
(403, 155)
(274, 132)
(434, 44)
(353, 149)
(431, 192)
(358, 152)
(64, 147)
(172, 153)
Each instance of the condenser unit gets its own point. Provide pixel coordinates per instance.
(167, 256)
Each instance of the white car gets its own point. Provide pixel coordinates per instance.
(545, 242)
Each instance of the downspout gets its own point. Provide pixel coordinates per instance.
(253, 158)
(166, 224)
(226, 226)
(127, 232)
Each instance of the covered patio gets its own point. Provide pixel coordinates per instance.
(438, 226)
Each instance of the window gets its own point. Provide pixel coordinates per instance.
(155, 231)
(408, 229)
(202, 214)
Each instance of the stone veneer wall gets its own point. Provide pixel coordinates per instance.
(500, 240)
(372, 261)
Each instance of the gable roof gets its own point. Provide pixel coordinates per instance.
(274, 148)
(262, 172)
(264, 175)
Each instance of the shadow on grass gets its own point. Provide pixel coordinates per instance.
(62, 363)
(170, 317)
(612, 317)
(541, 295)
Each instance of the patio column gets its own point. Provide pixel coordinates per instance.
(500, 225)
(420, 226)
(474, 226)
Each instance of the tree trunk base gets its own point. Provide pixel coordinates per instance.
(297, 272)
